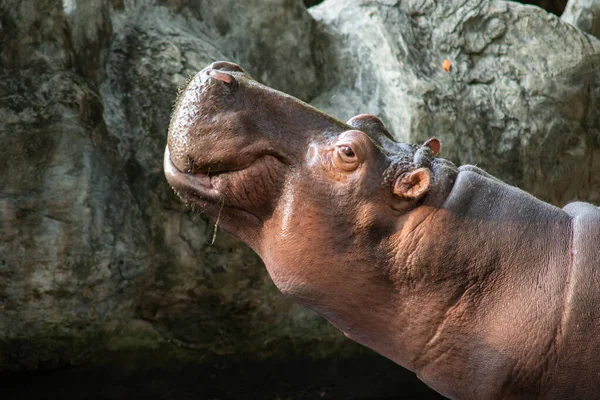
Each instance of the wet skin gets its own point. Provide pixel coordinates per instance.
(481, 289)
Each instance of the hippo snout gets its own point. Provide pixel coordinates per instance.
(205, 114)
(233, 142)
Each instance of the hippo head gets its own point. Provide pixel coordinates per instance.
(316, 198)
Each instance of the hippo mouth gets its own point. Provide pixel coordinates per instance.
(235, 187)
(195, 180)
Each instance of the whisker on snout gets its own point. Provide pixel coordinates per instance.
(222, 201)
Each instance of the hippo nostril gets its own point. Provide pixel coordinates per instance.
(221, 76)
(226, 66)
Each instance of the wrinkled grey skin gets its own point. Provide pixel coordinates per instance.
(480, 288)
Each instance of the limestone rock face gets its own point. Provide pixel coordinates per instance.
(96, 252)
(584, 15)
(73, 244)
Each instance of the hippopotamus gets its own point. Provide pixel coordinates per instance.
(478, 287)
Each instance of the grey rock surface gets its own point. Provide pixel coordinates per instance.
(73, 243)
(583, 14)
(96, 252)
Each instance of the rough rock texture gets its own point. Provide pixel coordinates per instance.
(584, 14)
(97, 253)
(73, 244)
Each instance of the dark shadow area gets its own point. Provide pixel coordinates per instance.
(554, 6)
(310, 3)
(364, 377)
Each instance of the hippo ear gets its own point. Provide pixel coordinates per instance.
(413, 185)
(434, 144)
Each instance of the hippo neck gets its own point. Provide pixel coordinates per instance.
(476, 270)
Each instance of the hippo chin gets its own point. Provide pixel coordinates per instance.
(480, 288)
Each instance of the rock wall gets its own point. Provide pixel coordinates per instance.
(98, 255)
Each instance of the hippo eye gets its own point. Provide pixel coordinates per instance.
(345, 158)
(347, 152)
